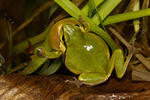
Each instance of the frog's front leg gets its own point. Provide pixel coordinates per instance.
(48, 54)
(92, 78)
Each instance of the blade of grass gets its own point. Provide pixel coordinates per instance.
(33, 65)
(17, 68)
(52, 68)
(86, 7)
(45, 66)
(104, 10)
(126, 16)
(52, 10)
(92, 7)
(69, 7)
(100, 19)
(10, 45)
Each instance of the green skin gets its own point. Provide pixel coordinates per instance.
(86, 54)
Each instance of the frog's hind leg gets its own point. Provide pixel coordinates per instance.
(92, 78)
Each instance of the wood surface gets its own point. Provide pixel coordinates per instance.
(54, 87)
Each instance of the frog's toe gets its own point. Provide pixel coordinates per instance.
(93, 78)
(75, 81)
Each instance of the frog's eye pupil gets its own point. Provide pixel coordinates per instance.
(77, 25)
(63, 38)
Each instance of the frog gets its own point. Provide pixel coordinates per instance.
(85, 53)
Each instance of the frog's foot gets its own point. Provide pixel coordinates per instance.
(42, 52)
(93, 78)
(75, 81)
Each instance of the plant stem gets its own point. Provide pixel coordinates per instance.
(10, 45)
(126, 16)
(104, 10)
(69, 7)
(42, 8)
(136, 22)
(85, 9)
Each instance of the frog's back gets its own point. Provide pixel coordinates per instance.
(87, 54)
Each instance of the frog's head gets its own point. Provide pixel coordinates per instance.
(64, 28)
(71, 32)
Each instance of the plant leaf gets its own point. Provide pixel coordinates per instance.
(45, 66)
(92, 6)
(52, 68)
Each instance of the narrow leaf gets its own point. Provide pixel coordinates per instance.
(52, 68)
(92, 7)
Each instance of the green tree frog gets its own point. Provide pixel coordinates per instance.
(85, 53)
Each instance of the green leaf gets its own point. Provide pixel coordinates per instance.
(52, 10)
(86, 7)
(104, 10)
(99, 16)
(33, 65)
(92, 7)
(10, 45)
(45, 66)
(52, 68)
(127, 16)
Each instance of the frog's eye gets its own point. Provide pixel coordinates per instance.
(62, 36)
(65, 36)
(86, 26)
(77, 25)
